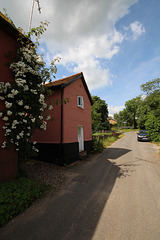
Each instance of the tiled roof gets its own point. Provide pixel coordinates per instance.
(112, 121)
(64, 81)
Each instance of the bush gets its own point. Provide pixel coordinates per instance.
(97, 144)
(153, 126)
(18, 195)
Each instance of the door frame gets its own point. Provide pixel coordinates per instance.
(81, 137)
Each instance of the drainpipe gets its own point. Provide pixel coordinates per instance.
(61, 141)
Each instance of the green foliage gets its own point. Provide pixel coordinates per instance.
(99, 114)
(97, 145)
(108, 141)
(152, 124)
(18, 195)
(131, 109)
(103, 141)
(144, 111)
(151, 86)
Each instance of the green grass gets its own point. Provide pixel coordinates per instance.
(100, 141)
(101, 134)
(16, 196)
(108, 141)
(128, 129)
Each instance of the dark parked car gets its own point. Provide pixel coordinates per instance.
(143, 135)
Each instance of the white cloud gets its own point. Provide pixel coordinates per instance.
(81, 32)
(115, 109)
(134, 31)
(137, 29)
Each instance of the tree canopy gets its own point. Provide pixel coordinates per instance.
(99, 113)
(144, 111)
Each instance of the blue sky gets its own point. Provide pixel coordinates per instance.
(116, 44)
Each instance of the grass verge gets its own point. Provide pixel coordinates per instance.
(16, 196)
(108, 141)
(99, 142)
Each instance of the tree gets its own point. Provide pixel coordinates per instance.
(131, 108)
(151, 86)
(151, 111)
(99, 114)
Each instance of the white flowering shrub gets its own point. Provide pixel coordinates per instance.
(24, 101)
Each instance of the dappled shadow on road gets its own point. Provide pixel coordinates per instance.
(74, 213)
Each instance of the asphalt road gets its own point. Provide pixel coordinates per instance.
(114, 196)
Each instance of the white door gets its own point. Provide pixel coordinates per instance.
(80, 139)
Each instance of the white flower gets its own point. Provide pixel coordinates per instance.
(8, 105)
(26, 88)
(43, 126)
(10, 95)
(26, 107)
(48, 117)
(40, 60)
(14, 92)
(50, 107)
(20, 102)
(34, 142)
(21, 134)
(18, 137)
(21, 114)
(3, 144)
(1, 114)
(40, 117)
(1, 87)
(9, 113)
(34, 91)
(8, 130)
(5, 118)
(8, 85)
(24, 120)
(33, 120)
(44, 105)
(20, 82)
(15, 122)
(2, 98)
(35, 149)
(41, 99)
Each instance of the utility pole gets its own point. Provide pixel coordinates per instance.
(39, 9)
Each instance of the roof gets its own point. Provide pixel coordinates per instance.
(4, 21)
(68, 80)
(112, 121)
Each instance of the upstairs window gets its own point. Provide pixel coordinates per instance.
(80, 102)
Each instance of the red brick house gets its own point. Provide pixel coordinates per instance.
(8, 44)
(70, 133)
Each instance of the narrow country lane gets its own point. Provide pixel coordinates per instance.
(114, 196)
(132, 211)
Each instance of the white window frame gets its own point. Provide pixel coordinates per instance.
(80, 102)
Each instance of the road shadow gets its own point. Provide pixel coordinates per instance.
(74, 212)
(115, 153)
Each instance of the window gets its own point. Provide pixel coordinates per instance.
(80, 102)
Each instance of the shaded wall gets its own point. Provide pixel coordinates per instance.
(8, 158)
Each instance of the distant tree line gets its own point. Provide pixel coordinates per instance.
(143, 111)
